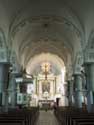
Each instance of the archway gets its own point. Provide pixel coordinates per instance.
(48, 86)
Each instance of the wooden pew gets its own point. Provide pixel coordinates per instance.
(70, 116)
(75, 119)
(83, 121)
(11, 122)
(30, 114)
(13, 118)
(19, 117)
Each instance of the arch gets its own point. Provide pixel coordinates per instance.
(64, 10)
(65, 16)
(46, 47)
(27, 18)
(45, 57)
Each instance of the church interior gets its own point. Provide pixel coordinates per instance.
(46, 62)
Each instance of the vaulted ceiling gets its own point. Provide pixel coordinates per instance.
(60, 27)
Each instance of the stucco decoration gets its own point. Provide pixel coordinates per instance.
(3, 47)
(14, 62)
(78, 63)
(33, 12)
(89, 50)
(69, 72)
(50, 46)
(91, 40)
(47, 28)
(45, 20)
(32, 26)
(69, 68)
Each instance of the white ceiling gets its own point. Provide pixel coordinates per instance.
(61, 27)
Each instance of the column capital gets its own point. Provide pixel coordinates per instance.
(77, 74)
(16, 74)
(87, 63)
(5, 64)
(8, 63)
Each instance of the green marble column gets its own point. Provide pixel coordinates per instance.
(70, 92)
(89, 70)
(78, 90)
(13, 88)
(4, 81)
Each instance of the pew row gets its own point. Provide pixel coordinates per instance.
(19, 117)
(72, 116)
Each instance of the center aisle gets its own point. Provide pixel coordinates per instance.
(47, 118)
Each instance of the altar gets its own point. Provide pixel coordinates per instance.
(47, 86)
(46, 104)
(46, 89)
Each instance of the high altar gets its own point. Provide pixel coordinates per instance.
(47, 90)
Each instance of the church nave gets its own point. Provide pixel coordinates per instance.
(47, 118)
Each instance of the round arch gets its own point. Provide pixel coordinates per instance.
(35, 61)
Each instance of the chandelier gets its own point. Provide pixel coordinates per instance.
(45, 68)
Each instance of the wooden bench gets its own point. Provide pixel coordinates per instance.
(14, 118)
(74, 117)
(81, 119)
(19, 117)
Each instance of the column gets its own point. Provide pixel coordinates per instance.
(78, 90)
(40, 92)
(51, 90)
(36, 89)
(4, 81)
(89, 70)
(13, 90)
(55, 81)
(70, 92)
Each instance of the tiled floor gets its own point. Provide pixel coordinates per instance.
(47, 118)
